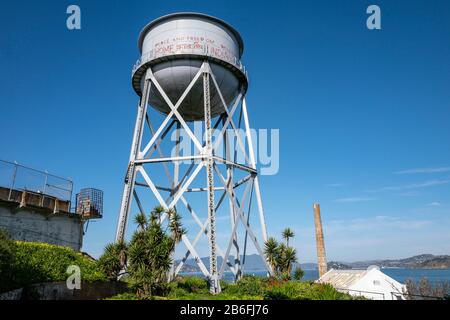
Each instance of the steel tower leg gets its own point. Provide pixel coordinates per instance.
(130, 176)
(214, 280)
(233, 217)
(176, 172)
(253, 165)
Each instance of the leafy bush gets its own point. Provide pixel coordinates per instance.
(193, 284)
(248, 288)
(285, 291)
(303, 291)
(197, 288)
(150, 252)
(327, 292)
(113, 260)
(7, 249)
(281, 256)
(41, 262)
(249, 285)
(298, 274)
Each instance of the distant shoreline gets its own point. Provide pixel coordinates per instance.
(261, 271)
(254, 263)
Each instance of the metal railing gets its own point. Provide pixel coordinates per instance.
(202, 49)
(390, 296)
(360, 293)
(14, 176)
(424, 297)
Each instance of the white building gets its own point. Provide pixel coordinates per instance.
(370, 283)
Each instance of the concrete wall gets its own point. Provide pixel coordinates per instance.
(58, 291)
(32, 225)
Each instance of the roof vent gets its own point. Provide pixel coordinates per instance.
(373, 267)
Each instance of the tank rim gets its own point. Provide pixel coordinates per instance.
(140, 71)
(159, 20)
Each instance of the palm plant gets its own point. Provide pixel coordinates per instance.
(149, 254)
(157, 212)
(271, 252)
(177, 231)
(298, 273)
(141, 221)
(151, 250)
(280, 256)
(287, 234)
(113, 259)
(175, 225)
(289, 258)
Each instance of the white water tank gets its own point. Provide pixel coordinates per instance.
(175, 46)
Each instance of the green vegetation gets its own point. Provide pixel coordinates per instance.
(7, 249)
(294, 290)
(113, 260)
(298, 274)
(248, 288)
(281, 256)
(148, 256)
(149, 260)
(25, 263)
(124, 296)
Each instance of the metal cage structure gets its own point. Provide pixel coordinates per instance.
(89, 203)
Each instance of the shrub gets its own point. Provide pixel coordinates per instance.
(303, 291)
(285, 291)
(251, 285)
(40, 262)
(193, 284)
(7, 249)
(298, 274)
(113, 259)
(150, 252)
(324, 291)
(281, 256)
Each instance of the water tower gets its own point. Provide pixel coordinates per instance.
(190, 74)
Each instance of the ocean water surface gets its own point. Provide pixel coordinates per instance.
(399, 274)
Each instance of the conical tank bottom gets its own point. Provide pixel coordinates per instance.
(174, 76)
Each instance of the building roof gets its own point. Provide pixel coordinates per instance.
(342, 279)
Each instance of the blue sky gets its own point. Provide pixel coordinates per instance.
(363, 115)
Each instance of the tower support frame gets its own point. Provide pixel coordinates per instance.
(204, 157)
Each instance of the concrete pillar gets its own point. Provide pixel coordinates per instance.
(321, 257)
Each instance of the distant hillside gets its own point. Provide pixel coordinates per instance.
(337, 265)
(439, 262)
(253, 262)
(424, 261)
